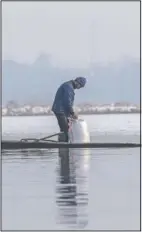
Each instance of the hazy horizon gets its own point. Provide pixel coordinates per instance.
(98, 40)
(75, 34)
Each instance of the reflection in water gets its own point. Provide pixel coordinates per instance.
(28, 154)
(72, 194)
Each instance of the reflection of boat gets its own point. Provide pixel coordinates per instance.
(72, 182)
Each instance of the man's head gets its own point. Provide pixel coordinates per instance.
(80, 82)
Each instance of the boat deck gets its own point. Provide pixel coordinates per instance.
(10, 145)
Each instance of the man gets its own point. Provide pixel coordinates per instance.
(63, 103)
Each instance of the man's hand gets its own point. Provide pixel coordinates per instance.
(75, 116)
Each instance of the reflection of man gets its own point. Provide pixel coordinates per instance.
(63, 103)
(66, 191)
(71, 192)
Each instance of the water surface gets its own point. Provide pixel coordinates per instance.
(96, 189)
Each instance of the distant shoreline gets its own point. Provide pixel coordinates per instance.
(96, 113)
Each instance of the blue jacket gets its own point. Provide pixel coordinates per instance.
(64, 99)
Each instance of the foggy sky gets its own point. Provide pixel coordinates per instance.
(74, 33)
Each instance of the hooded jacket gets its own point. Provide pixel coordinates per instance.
(64, 99)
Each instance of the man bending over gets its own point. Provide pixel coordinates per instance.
(63, 103)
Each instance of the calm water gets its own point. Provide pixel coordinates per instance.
(84, 189)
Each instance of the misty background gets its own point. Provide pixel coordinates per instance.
(46, 43)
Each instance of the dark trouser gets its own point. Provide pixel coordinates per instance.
(63, 124)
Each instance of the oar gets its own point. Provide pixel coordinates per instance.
(41, 139)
